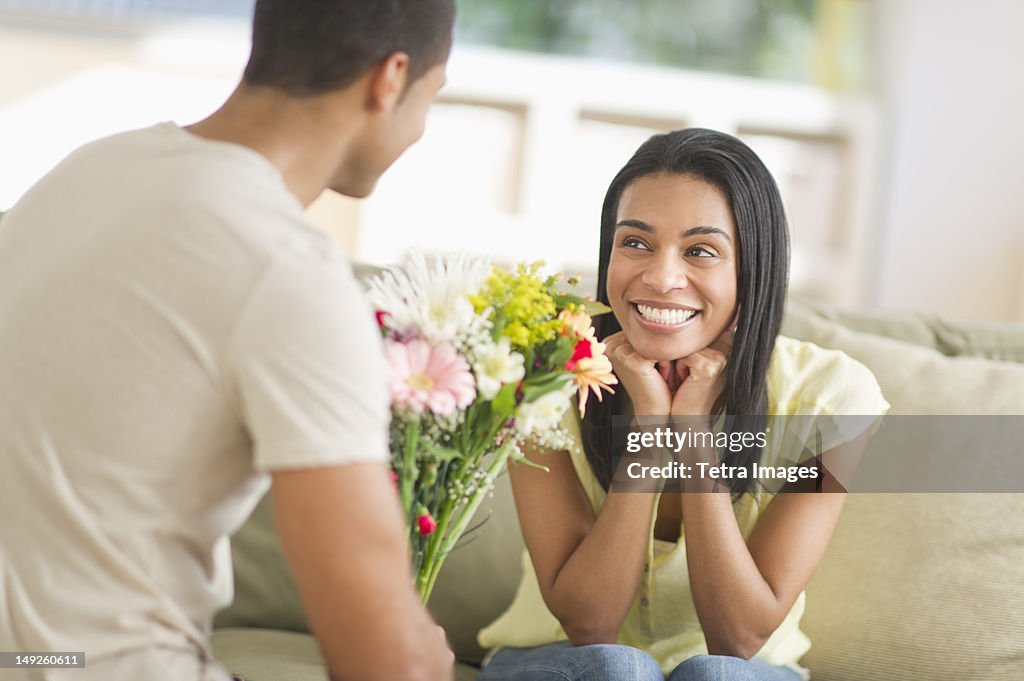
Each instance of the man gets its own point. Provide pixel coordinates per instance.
(173, 334)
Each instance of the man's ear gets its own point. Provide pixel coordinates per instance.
(387, 81)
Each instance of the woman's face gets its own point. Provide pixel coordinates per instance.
(672, 273)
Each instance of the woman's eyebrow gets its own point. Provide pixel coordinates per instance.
(693, 231)
(636, 224)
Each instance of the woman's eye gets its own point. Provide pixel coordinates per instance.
(633, 242)
(700, 252)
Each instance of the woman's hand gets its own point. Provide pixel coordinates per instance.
(690, 386)
(702, 378)
(648, 388)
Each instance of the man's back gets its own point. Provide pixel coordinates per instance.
(170, 328)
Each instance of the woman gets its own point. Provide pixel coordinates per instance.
(694, 264)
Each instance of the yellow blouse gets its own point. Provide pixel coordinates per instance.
(803, 379)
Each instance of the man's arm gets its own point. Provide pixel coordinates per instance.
(341, 530)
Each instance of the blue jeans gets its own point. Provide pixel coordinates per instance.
(610, 662)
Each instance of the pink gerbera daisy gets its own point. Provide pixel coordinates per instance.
(422, 376)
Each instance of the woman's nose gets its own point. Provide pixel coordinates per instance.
(665, 272)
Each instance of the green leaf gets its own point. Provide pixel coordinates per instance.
(521, 458)
(504, 403)
(594, 308)
(591, 307)
(528, 355)
(540, 380)
(500, 321)
(560, 356)
(442, 453)
(535, 392)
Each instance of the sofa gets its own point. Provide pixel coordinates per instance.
(913, 586)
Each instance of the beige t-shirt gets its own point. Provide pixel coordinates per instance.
(803, 379)
(171, 328)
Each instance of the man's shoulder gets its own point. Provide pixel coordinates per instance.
(216, 194)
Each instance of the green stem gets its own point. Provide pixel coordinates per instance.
(440, 549)
(433, 545)
(409, 473)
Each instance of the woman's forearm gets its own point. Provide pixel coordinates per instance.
(593, 592)
(735, 604)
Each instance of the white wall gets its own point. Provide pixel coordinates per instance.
(951, 228)
(63, 87)
(555, 130)
(947, 232)
(519, 154)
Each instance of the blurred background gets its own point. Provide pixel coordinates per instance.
(894, 127)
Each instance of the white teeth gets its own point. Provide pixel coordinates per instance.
(664, 316)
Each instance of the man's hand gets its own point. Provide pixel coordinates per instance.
(341, 530)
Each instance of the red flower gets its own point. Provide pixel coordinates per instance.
(380, 315)
(427, 524)
(581, 351)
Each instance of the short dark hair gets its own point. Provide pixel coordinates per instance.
(308, 47)
(762, 273)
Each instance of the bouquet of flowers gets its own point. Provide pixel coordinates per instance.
(482, 361)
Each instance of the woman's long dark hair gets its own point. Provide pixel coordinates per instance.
(762, 277)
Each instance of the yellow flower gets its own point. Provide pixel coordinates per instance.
(522, 304)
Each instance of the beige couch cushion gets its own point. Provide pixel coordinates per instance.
(991, 340)
(266, 655)
(918, 380)
(922, 586)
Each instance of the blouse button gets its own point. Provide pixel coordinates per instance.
(647, 567)
(644, 602)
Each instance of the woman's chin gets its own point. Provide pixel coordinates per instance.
(663, 351)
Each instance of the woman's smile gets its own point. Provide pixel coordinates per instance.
(664, 318)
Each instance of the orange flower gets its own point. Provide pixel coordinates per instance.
(592, 372)
(591, 368)
(577, 323)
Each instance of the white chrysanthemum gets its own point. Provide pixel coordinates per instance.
(542, 414)
(430, 300)
(497, 364)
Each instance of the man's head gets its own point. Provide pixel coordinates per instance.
(395, 49)
(309, 47)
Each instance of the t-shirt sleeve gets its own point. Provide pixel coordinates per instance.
(851, 404)
(309, 368)
(825, 399)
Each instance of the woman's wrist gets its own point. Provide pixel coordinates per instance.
(693, 422)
